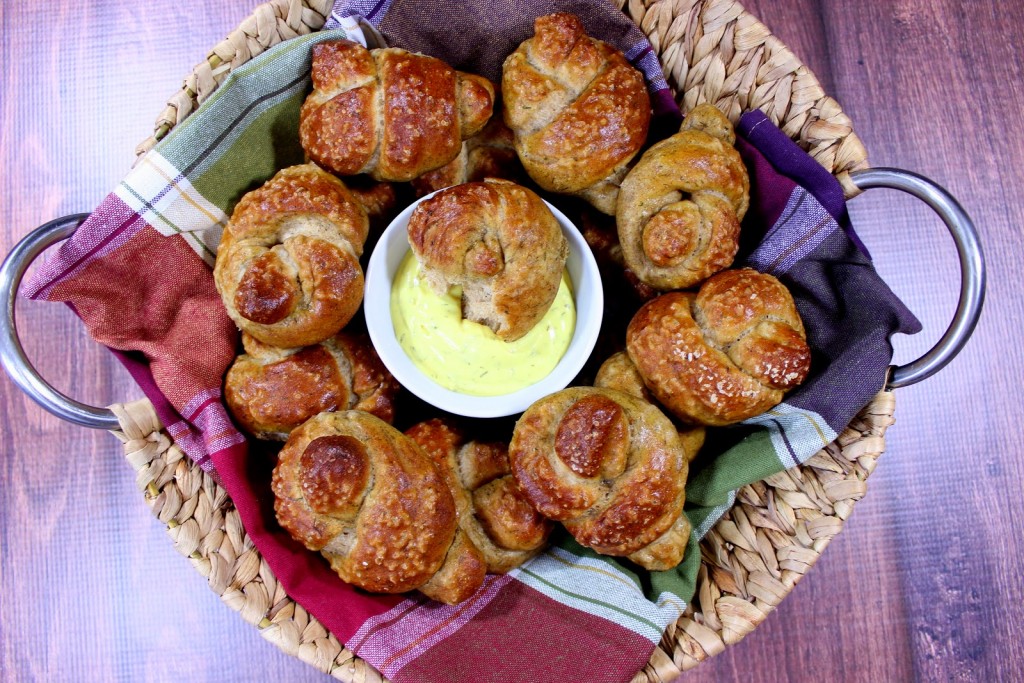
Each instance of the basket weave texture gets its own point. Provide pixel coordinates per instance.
(711, 51)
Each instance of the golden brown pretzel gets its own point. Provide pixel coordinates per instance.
(271, 391)
(610, 467)
(389, 113)
(500, 243)
(680, 206)
(369, 500)
(722, 355)
(288, 266)
(580, 112)
(492, 510)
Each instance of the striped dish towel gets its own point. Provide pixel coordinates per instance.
(138, 274)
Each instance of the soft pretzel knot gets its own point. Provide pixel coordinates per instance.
(580, 112)
(492, 510)
(500, 243)
(680, 207)
(390, 113)
(611, 468)
(364, 495)
(270, 391)
(724, 354)
(288, 264)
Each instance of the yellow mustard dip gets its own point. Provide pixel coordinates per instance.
(468, 357)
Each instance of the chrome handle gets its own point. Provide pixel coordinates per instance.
(972, 268)
(12, 355)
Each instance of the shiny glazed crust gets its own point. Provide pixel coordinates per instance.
(492, 510)
(500, 243)
(343, 486)
(610, 467)
(390, 113)
(287, 267)
(680, 206)
(271, 391)
(725, 354)
(580, 112)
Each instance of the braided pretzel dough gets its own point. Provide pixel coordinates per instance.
(288, 266)
(580, 112)
(680, 207)
(492, 511)
(390, 113)
(271, 391)
(725, 354)
(611, 468)
(500, 243)
(369, 499)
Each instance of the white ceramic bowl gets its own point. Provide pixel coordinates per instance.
(589, 298)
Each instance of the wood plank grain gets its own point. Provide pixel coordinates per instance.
(924, 582)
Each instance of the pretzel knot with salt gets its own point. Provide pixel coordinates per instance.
(724, 354)
(579, 111)
(270, 391)
(680, 207)
(288, 266)
(390, 113)
(611, 468)
(369, 499)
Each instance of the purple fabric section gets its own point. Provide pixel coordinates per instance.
(792, 162)
(769, 194)
(850, 314)
(368, 9)
(801, 227)
(476, 37)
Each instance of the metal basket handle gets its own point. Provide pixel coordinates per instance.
(972, 268)
(12, 355)
(972, 295)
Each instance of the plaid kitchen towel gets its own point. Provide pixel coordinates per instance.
(138, 274)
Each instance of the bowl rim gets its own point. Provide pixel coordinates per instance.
(587, 289)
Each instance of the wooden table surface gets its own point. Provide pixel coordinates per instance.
(923, 584)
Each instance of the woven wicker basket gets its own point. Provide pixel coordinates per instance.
(712, 51)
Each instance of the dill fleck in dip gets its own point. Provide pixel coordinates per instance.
(465, 356)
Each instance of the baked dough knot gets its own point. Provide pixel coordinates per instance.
(722, 355)
(387, 112)
(579, 111)
(611, 468)
(372, 503)
(500, 243)
(287, 266)
(680, 207)
(492, 510)
(270, 391)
